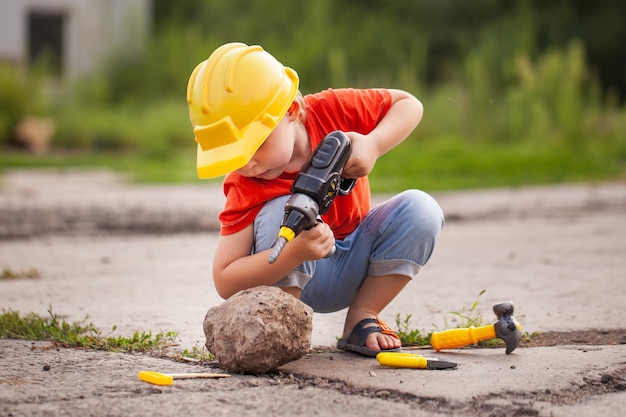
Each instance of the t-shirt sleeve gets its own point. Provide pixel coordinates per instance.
(245, 197)
(349, 109)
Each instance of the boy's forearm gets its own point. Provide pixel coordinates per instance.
(253, 271)
(401, 119)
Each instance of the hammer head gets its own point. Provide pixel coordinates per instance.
(506, 327)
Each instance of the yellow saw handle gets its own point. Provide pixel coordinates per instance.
(456, 338)
(402, 360)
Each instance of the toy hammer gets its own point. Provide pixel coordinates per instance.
(506, 328)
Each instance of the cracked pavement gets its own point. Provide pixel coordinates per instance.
(139, 258)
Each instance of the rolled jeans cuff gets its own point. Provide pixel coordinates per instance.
(294, 279)
(404, 267)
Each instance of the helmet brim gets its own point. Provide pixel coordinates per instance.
(220, 161)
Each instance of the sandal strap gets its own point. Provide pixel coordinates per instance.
(385, 329)
(360, 332)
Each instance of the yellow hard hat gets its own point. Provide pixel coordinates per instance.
(236, 98)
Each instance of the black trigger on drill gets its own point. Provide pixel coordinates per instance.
(346, 186)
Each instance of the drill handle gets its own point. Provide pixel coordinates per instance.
(320, 177)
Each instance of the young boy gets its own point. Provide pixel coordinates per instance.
(251, 123)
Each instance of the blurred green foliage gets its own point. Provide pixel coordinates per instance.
(514, 92)
(20, 95)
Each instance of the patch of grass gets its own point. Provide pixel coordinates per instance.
(77, 334)
(409, 336)
(9, 273)
(442, 162)
(467, 318)
(414, 337)
(527, 337)
(452, 163)
(196, 354)
(175, 168)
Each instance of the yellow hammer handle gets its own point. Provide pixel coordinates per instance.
(455, 338)
(401, 360)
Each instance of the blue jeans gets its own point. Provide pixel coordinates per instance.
(396, 237)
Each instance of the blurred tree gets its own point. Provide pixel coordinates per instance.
(333, 43)
(598, 23)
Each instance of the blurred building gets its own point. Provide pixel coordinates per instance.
(75, 37)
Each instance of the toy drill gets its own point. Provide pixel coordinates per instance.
(314, 189)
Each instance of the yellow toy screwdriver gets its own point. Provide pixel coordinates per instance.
(158, 378)
(506, 328)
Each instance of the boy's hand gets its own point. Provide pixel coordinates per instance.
(313, 244)
(363, 155)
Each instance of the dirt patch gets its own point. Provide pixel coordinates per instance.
(577, 337)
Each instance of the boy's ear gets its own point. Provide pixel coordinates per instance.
(294, 111)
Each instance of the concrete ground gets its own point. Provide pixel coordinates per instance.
(139, 258)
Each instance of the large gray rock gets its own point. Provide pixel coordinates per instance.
(258, 330)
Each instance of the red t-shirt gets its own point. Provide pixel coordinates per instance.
(343, 109)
